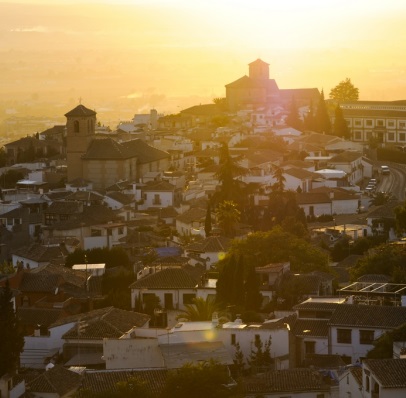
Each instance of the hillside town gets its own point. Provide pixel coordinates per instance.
(258, 240)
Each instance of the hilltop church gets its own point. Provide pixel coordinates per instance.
(258, 90)
(104, 161)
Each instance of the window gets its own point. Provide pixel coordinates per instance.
(157, 199)
(310, 347)
(233, 339)
(76, 126)
(402, 125)
(391, 123)
(391, 136)
(344, 336)
(379, 123)
(367, 386)
(366, 336)
(368, 123)
(357, 135)
(402, 137)
(357, 123)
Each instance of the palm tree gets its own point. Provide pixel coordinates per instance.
(200, 310)
(228, 217)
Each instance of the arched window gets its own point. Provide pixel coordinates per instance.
(76, 126)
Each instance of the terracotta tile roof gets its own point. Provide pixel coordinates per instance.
(247, 82)
(121, 197)
(64, 207)
(391, 373)
(203, 110)
(112, 323)
(317, 361)
(56, 380)
(312, 197)
(40, 253)
(211, 244)
(39, 316)
(316, 305)
(374, 278)
(85, 196)
(356, 371)
(106, 380)
(318, 139)
(281, 381)
(91, 215)
(159, 186)
(301, 173)
(177, 355)
(385, 211)
(310, 328)
(346, 157)
(80, 110)
(352, 315)
(32, 282)
(193, 214)
(169, 278)
(107, 148)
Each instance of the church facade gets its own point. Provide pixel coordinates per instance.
(104, 161)
(257, 90)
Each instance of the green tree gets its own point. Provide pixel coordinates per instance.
(208, 379)
(260, 356)
(345, 91)
(225, 281)
(201, 310)
(309, 119)
(400, 218)
(322, 118)
(228, 217)
(253, 297)
(385, 259)
(383, 346)
(293, 118)
(340, 127)
(228, 170)
(3, 157)
(238, 360)
(11, 336)
(116, 256)
(277, 245)
(134, 387)
(221, 102)
(10, 177)
(380, 198)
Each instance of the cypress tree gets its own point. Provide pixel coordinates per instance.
(11, 336)
(207, 221)
(322, 119)
(340, 127)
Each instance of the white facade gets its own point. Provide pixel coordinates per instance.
(353, 342)
(37, 347)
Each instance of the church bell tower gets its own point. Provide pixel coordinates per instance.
(80, 126)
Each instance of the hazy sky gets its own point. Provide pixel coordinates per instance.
(194, 48)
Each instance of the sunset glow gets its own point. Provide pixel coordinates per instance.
(162, 48)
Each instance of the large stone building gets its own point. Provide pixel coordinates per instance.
(104, 161)
(258, 90)
(383, 121)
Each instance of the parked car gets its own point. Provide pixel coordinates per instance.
(385, 170)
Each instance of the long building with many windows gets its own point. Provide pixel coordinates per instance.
(384, 121)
